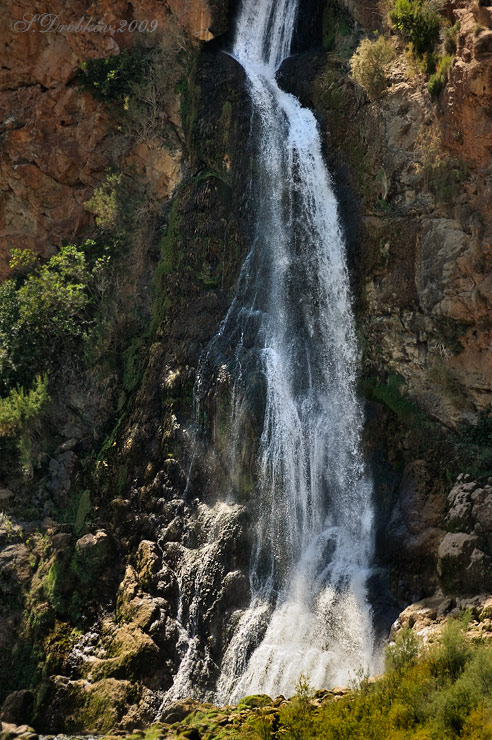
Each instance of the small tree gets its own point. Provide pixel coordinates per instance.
(418, 22)
(370, 64)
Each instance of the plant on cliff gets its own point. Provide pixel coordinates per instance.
(438, 79)
(371, 63)
(418, 22)
(42, 316)
(111, 78)
(21, 407)
(106, 202)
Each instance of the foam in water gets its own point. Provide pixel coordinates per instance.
(291, 324)
(314, 538)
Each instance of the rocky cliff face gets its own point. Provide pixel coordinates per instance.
(419, 234)
(92, 547)
(54, 137)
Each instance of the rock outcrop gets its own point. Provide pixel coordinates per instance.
(56, 140)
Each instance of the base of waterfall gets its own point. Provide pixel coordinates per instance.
(434, 686)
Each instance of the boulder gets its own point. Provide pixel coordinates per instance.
(18, 706)
(177, 711)
(462, 566)
(10, 731)
(93, 550)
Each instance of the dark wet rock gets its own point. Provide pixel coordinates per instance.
(462, 566)
(17, 707)
(177, 711)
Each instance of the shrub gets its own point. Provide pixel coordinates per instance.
(439, 78)
(449, 658)
(44, 315)
(111, 78)
(370, 64)
(20, 408)
(105, 203)
(404, 652)
(418, 22)
(19, 423)
(435, 85)
(450, 38)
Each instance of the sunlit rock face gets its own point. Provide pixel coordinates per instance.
(54, 137)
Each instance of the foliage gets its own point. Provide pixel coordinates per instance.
(418, 22)
(479, 433)
(105, 203)
(370, 64)
(19, 408)
(391, 395)
(438, 692)
(438, 79)
(403, 652)
(450, 38)
(44, 315)
(112, 78)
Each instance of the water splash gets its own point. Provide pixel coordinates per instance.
(287, 347)
(314, 536)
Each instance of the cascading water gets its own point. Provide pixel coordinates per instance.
(291, 325)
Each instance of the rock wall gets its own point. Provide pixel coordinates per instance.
(55, 137)
(413, 176)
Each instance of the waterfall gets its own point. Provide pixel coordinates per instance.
(314, 536)
(290, 331)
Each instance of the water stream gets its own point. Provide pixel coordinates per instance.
(291, 325)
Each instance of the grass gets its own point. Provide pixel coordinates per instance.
(438, 691)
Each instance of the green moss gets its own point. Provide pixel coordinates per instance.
(392, 396)
(255, 700)
(83, 510)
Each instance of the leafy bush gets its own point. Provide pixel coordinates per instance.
(418, 22)
(370, 64)
(449, 658)
(435, 85)
(439, 78)
(112, 78)
(20, 408)
(404, 652)
(450, 38)
(19, 424)
(44, 315)
(105, 203)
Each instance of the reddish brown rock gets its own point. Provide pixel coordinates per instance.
(54, 149)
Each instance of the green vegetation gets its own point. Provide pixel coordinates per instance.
(106, 202)
(19, 408)
(45, 314)
(112, 78)
(418, 22)
(370, 64)
(439, 691)
(438, 79)
(450, 38)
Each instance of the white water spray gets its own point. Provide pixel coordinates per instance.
(314, 537)
(290, 332)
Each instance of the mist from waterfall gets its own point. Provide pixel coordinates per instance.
(314, 535)
(288, 347)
